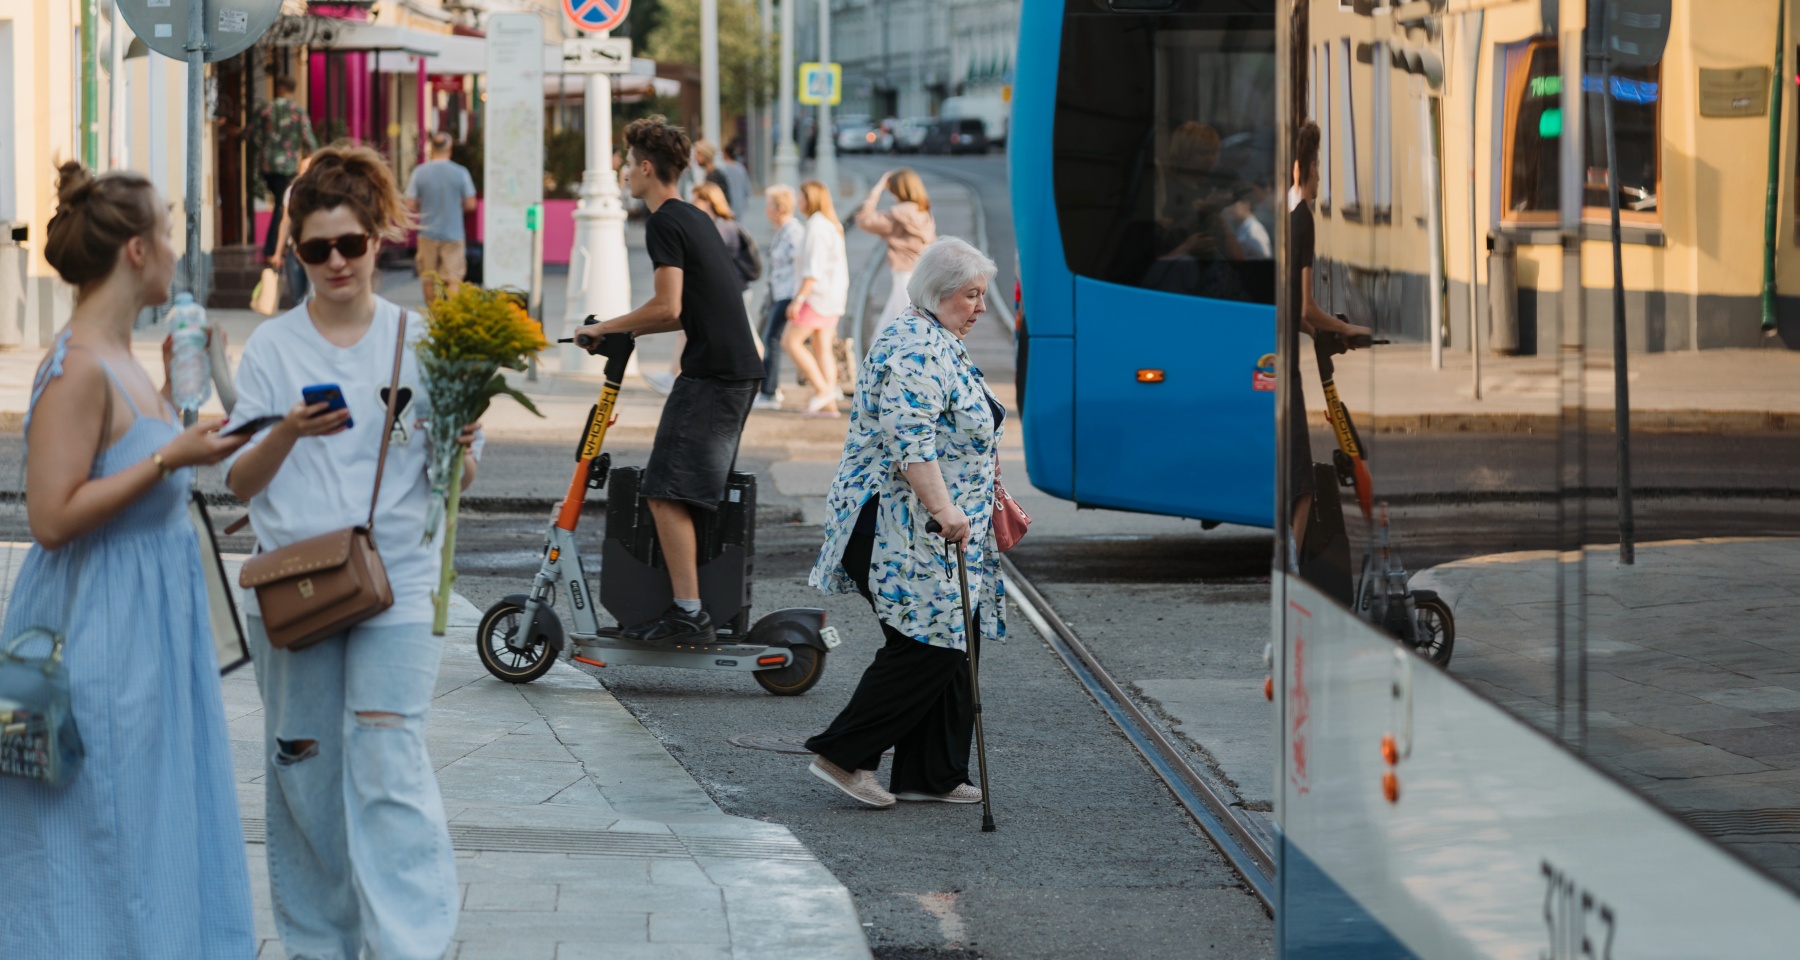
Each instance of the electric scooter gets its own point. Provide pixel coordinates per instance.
(520, 637)
(1380, 593)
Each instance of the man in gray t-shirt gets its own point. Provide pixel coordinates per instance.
(441, 191)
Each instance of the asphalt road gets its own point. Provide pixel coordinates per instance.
(1093, 857)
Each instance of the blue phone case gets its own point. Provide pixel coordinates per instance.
(327, 393)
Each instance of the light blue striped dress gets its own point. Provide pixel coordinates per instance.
(141, 857)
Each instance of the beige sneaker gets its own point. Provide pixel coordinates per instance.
(967, 793)
(861, 785)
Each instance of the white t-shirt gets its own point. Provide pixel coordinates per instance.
(822, 258)
(325, 482)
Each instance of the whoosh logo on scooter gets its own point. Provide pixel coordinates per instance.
(1340, 421)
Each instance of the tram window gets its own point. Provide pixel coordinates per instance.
(1534, 127)
(1164, 153)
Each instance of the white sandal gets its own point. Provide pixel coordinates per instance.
(817, 406)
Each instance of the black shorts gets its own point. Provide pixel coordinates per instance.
(697, 440)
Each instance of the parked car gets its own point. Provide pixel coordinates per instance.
(856, 135)
(909, 134)
(960, 135)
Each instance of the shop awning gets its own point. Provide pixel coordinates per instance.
(397, 49)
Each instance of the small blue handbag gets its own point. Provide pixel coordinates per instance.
(38, 739)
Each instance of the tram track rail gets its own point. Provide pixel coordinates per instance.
(1232, 830)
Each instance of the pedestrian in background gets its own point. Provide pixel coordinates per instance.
(440, 191)
(359, 850)
(293, 276)
(142, 854)
(784, 281)
(923, 441)
(906, 227)
(282, 135)
(820, 299)
(737, 176)
(705, 169)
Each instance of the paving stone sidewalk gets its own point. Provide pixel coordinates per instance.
(1693, 658)
(578, 836)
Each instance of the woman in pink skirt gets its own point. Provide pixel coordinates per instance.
(824, 291)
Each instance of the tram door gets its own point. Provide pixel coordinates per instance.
(1561, 718)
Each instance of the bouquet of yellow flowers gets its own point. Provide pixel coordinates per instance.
(470, 335)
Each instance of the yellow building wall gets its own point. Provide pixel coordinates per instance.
(1714, 170)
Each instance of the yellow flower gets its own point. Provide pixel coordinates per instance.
(479, 324)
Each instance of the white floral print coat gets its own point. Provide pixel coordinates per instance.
(919, 397)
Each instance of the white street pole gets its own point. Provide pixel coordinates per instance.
(196, 113)
(709, 72)
(599, 279)
(825, 171)
(765, 138)
(787, 156)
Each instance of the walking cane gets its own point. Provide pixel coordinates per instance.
(962, 576)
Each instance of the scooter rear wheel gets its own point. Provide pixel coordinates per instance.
(503, 621)
(1437, 630)
(797, 677)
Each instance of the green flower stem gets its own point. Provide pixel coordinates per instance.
(447, 574)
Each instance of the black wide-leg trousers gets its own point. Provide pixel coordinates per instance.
(915, 698)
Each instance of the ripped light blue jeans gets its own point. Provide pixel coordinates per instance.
(359, 851)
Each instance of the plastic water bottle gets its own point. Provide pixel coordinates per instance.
(190, 373)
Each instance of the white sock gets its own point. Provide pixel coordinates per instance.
(690, 607)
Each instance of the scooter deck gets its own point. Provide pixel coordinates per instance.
(608, 649)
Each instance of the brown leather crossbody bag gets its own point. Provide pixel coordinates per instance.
(327, 584)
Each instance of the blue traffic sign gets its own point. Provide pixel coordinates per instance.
(596, 15)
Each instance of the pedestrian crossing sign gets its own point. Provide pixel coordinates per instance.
(821, 83)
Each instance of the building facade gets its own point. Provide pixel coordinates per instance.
(386, 73)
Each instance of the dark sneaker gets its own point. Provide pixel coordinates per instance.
(674, 626)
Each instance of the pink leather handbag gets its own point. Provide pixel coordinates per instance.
(1010, 520)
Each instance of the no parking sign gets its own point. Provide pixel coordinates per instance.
(596, 15)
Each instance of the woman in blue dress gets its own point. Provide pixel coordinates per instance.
(141, 856)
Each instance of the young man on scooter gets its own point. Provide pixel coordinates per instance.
(696, 442)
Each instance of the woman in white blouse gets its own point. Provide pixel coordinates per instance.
(824, 291)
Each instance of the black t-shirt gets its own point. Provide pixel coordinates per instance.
(719, 344)
(1300, 236)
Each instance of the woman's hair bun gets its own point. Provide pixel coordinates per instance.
(74, 184)
(95, 216)
(352, 175)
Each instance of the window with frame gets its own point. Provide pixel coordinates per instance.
(1534, 131)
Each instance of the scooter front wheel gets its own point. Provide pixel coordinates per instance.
(797, 677)
(503, 622)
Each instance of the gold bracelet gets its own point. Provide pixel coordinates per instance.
(162, 465)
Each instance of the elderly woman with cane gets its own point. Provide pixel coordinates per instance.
(924, 433)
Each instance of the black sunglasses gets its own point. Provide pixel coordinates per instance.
(317, 251)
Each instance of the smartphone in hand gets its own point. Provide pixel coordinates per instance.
(248, 426)
(326, 393)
